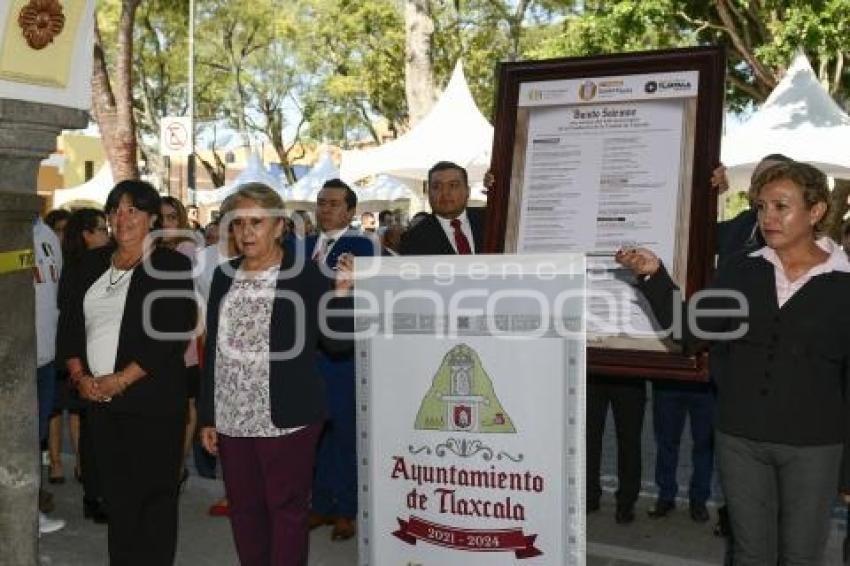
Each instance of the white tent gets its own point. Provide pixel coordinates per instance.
(307, 187)
(254, 172)
(454, 130)
(95, 190)
(799, 119)
(385, 188)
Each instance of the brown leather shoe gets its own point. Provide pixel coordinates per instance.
(344, 529)
(316, 520)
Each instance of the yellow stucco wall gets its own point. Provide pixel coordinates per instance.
(78, 149)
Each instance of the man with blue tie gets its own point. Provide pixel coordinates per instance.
(334, 499)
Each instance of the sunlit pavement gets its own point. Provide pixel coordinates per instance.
(672, 541)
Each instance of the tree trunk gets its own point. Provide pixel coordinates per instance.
(112, 102)
(837, 208)
(418, 72)
(515, 27)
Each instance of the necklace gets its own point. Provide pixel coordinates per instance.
(121, 273)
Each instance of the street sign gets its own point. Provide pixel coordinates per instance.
(175, 137)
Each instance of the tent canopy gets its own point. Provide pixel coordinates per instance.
(385, 188)
(254, 172)
(799, 119)
(454, 130)
(95, 190)
(306, 189)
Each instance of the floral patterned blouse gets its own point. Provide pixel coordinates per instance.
(242, 406)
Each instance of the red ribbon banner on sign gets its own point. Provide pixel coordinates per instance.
(473, 540)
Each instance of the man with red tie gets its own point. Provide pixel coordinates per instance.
(451, 228)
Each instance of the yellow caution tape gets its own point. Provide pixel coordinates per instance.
(17, 260)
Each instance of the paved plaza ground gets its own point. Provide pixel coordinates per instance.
(206, 541)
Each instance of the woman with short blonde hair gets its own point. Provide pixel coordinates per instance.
(262, 402)
(781, 315)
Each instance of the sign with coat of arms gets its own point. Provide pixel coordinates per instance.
(471, 420)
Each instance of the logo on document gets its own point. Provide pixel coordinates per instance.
(678, 85)
(462, 397)
(587, 90)
(651, 87)
(535, 94)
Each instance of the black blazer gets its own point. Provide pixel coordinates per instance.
(429, 238)
(296, 389)
(785, 379)
(163, 390)
(738, 234)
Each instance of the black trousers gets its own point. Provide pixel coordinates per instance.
(627, 399)
(140, 459)
(92, 489)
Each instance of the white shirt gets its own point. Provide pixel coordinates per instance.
(785, 289)
(324, 245)
(465, 227)
(206, 260)
(48, 266)
(103, 306)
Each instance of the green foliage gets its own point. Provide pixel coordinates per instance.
(735, 204)
(629, 25)
(353, 50)
(763, 34)
(161, 54)
(338, 65)
(484, 32)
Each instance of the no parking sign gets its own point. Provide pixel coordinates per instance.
(175, 137)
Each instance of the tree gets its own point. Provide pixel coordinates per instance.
(228, 36)
(483, 32)
(160, 67)
(760, 36)
(273, 88)
(161, 62)
(354, 52)
(418, 74)
(247, 53)
(112, 95)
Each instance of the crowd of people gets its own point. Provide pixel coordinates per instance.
(168, 343)
(219, 363)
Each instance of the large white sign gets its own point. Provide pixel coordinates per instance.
(599, 177)
(471, 410)
(175, 136)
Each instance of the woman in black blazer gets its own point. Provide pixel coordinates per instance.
(123, 327)
(262, 401)
(782, 324)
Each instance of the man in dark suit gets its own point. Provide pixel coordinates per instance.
(334, 499)
(451, 228)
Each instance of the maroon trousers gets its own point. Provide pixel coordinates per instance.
(268, 482)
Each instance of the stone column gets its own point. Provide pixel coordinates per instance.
(27, 135)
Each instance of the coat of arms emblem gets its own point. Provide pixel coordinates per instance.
(462, 397)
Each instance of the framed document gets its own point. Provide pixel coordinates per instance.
(594, 153)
